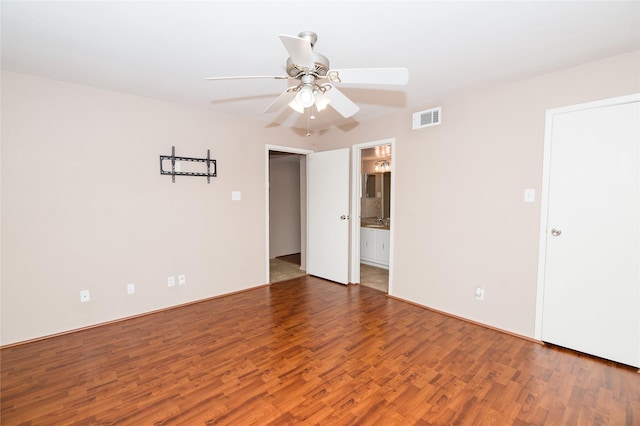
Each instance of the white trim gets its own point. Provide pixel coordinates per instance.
(268, 148)
(544, 195)
(392, 209)
(356, 170)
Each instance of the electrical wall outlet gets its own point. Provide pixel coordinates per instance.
(182, 279)
(171, 281)
(131, 288)
(85, 296)
(479, 293)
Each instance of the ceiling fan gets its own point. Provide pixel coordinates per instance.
(317, 81)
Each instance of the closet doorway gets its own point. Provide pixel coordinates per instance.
(286, 184)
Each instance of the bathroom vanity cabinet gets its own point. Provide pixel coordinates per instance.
(374, 247)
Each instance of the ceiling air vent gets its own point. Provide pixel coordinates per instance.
(426, 118)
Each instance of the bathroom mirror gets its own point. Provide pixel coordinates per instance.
(376, 200)
(370, 185)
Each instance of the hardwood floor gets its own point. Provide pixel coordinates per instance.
(307, 351)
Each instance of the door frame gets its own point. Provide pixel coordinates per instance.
(300, 151)
(356, 189)
(544, 195)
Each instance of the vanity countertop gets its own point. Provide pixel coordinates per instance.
(374, 223)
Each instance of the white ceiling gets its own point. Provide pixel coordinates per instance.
(165, 49)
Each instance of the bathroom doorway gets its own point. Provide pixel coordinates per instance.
(373, 207)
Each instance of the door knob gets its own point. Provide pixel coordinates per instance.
(344, 217)
(555, 232)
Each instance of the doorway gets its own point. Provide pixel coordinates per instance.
(286, 213)
(351, 242)
(372, 204)
(325, 231)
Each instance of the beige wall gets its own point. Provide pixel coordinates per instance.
(460, 220)
(85, 207)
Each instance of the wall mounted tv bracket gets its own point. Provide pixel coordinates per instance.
(211, 166)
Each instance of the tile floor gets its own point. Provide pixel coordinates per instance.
(370, 276)
(281, 270)
(373, 277)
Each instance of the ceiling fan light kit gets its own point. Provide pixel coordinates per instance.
(305, 96)
(312, 68)
(322, 101)
(294, 105)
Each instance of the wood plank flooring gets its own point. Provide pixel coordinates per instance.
(307, 351)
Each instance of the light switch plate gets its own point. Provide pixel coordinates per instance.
(236, 196)
(131, 288)
(85, 296)
(529, 195)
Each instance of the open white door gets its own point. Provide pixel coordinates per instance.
(328, 215)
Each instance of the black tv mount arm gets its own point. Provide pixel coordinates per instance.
(211, 166)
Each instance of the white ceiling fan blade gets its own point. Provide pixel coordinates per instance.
(245, 77)
(341, 103)
(392, 76)
(299, 50)
(282, 100)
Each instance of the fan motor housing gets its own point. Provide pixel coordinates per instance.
(320, 70)
(310, 36)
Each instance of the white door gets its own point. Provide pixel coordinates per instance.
(591, 296)
(328, 215)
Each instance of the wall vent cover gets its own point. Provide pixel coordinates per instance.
(426, 118)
